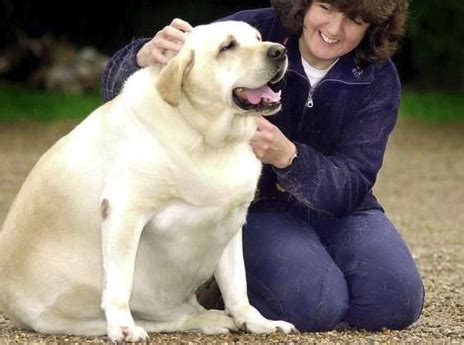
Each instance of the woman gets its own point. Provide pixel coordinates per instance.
(319, 249)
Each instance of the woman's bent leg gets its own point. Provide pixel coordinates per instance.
(290, 275)
(385, 287)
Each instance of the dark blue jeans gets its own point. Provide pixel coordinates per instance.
(321, 271)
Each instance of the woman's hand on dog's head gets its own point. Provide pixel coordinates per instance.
(165, 44)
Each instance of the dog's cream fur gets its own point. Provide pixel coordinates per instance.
(144, 201)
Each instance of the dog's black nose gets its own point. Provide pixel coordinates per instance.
(277, 52)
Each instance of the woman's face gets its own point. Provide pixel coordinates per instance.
(329, 34)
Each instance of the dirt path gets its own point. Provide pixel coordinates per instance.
(421, 187)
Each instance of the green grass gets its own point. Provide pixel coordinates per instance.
(20, 103)
(436, 106)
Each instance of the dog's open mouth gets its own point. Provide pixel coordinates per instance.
(259, 99)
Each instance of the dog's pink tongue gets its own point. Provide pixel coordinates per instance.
(254, 96)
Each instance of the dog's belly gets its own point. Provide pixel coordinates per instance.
(178, 251)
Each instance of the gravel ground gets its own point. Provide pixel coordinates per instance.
(421, 187)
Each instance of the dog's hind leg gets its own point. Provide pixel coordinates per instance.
(55, 320)
(207, 322)
(51, 324)
(73, 311)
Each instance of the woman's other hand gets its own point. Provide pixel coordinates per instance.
(271, 146)
(165, 44)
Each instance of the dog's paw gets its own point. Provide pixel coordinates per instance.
(283, 326)
(128, 334)
(251, 320)
(268, 326)
(215, 322)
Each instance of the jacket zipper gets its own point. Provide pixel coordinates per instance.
(312, 89)
(310, 101)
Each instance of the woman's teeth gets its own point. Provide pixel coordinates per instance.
(327, 39)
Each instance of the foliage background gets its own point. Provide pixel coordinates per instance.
(430, 62)
(434, 44)
(432, 55)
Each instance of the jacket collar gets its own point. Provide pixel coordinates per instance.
(345, 70)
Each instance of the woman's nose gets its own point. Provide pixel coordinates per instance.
(335, 24)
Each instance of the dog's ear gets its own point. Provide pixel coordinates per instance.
(172, 76)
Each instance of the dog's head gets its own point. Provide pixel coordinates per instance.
(226, 64)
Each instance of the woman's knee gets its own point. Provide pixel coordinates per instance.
(333, 302)
(311, 303)
(290, 275)
(411, 295)
(396, 303)
(386, 289)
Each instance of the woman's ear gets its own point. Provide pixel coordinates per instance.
(173, 76)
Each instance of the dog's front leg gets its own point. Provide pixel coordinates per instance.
(231, 279)
(121, 231)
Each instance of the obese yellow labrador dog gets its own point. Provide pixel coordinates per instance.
(125, 217)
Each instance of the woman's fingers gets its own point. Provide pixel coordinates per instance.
(172, 34)
(181, 25)
(165, 44)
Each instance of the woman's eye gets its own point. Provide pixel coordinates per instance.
(232, 44)
(325, 7)
(357, 21)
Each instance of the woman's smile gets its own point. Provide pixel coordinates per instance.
(327, 39)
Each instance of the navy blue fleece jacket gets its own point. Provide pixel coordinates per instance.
(340, 127)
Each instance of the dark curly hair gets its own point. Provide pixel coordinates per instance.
(387, 19)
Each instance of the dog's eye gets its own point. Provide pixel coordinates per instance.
(228, 46)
